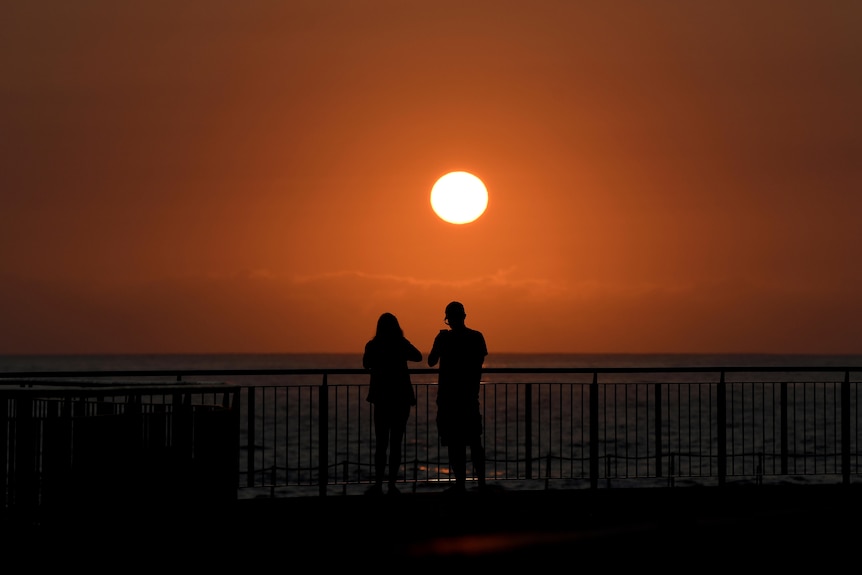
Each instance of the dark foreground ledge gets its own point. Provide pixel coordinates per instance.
(664, 528)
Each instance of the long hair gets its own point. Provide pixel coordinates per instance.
(388, 327)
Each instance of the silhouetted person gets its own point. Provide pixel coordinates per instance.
(390, 390)
(461, 352)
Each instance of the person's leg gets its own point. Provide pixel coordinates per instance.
(381, 436)
(452, 436)
(458, 463)
(477, 454)
(396, 436)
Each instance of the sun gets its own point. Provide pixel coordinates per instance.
(459, 197)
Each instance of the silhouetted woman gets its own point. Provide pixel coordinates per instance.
(391, 391)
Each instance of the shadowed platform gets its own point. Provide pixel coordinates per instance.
(670, 527)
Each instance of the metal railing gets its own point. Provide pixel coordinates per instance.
(66, 443)
(302, 431)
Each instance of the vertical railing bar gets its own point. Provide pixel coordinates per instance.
(653, 468)
(700, 388)
(6, 448)
(836, 425)
(369, 412)
(745, 431)
(251, 434)
(548, 449)
(834, 440)
(506, 430)
(517, 430)
(636, 408)
(647, 413)
(299, 429)
(657, 424)
(798, 428)
(709, 422)
(783, 427)
(528, 430)
(732, 410)
(335, 389)
(804, 428)
(721, 432)
(615, 387)
(491, 448)
(815, 414)
(417, 442)
(548, 437)
(323, 436)
(763, 423)
(626, 425)
(794, 427)
(820, 413)
(776, 422)
(637, 430)
(608, 453)
(679, 444)
(287, 462)
(594, 431)
(853, 397)
(505, 467)
(537, 452)
(584, 411)
(695, 458)
(688, 420)
(845, 428)
(560, 440)
(571, 430)
(263, 446)
(310, 430)
(484, 404)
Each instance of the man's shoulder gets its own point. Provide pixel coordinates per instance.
(475, 334)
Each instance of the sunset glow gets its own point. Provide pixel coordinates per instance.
(673, 177)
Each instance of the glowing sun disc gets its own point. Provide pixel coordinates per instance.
(459, 197)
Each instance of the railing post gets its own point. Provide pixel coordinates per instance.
(594, 431)
(24, 477)
(845, 429)
(235, 399)
(6, 450)
(528, 430)
(251, 439)
(323, 436)
(721, 432)
(783, 427)
(657, 430)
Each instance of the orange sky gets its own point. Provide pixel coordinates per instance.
(215, 176)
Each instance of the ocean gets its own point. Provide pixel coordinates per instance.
(112, 362)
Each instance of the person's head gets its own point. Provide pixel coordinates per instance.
(455, 313)
(388, 326)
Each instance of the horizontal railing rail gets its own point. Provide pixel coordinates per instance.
(181, 373)
(310, 430)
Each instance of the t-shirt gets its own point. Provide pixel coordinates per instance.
(462, 353)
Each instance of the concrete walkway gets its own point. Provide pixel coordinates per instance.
(669, 529)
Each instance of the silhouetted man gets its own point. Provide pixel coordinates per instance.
(461, 352)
